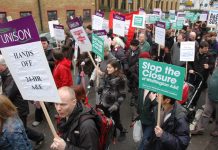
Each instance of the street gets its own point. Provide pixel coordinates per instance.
(202, 142)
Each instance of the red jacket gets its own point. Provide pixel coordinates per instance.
(62, 73)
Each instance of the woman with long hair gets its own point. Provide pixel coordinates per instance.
(112, 92)
(12, 133)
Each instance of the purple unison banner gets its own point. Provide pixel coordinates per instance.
(18, 32)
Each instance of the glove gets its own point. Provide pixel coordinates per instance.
(113, 108)
(100, 91)
(91, 83)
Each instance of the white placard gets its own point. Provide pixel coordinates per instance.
(138, 21)
(30, 70)
(59, 32)
(119, 26)
(203, 17)
(51, 28)
(212, 18)
(160, 35)
(127, 24)
(82, 39)
(97, 22)
(187, 51)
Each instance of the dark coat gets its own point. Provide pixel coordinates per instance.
(112, 90)
(49, 56)
(213, 86)
(119, 53)
(176, 132)
(9, 88)
(82, 136)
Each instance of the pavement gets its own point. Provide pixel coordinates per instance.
(202, 142)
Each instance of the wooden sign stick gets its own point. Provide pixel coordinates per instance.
(159, 98)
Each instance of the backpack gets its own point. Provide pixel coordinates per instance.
(104, 125)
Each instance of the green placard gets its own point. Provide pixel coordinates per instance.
(152, 19)
(98, 46)
(162, 78)
(189, 15)
(167, 22)
(195, 18)
(179, 24)
(174, 26)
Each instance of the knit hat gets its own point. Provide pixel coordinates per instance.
(145, 55)
(2, 60)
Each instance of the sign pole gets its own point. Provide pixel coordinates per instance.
(90, 56)
(186, 70)
(158, 52)
(48, 119)
(159, 98)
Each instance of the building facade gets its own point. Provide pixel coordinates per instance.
(133, 5)
(47, 10)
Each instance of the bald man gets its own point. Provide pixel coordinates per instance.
(144, 46)
(75, 134)
(192, 37)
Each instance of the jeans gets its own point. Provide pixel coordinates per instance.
(78, 79)
(147, 132)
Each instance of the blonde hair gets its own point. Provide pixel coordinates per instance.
(119, 42)
(7, 108)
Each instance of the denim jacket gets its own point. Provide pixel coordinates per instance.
(13, 135)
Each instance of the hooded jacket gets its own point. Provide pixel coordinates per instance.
(62, 73)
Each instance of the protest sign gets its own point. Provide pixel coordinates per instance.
(59, 32)
(162, 78)
(152, 19)
(50, 26)
(24, 55)
(203, 16)
(187, 51)
(180, 15)
(189, 15)
(138, 21)
(160, 33)
(179, 24)
(172, 14)
(101, 33)
(119, 25)
(98, 46)
(98, 21)
(79, 35)
(212, 18)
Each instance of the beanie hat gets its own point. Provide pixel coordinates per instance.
(145, 55)
(2, 60)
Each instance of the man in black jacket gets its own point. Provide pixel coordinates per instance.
(10, 89)
(173, 132)
(76, 134)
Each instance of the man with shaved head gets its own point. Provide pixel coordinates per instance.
(192, 37)
(144, 46)
(75, 134)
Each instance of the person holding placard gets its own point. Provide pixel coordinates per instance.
(173, 132)
(89, 32)
(10, 89)
(67, 47)
(12, 132)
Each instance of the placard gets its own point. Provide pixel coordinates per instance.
(160, 33)
(51, 28)
(98, 21)
(172, 14)
(24, 55)
(203, 17)
(79, 34)
(187, 51)
(138, 21)
(162, 78)
(119, 25)
(101, 33)
(98, 46)
(212, 18)
(59, 32)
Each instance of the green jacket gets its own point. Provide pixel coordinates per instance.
(213, 86)
(144, 47)
(146, 110)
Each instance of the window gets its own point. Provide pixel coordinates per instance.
(25, 13)
(52, 15)
(70, 13)
(86, 14)
(3, 17)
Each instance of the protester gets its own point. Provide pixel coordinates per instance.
(89, 32)
(203, 64)
(75, 134)
(12, 132)
(62, 73)
(9, 88)
(67, 47)
(97, 74)
(112, 92)
(80, 94)
(173, 132)
(210, 106)
(144, 46)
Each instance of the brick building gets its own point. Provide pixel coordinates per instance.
(46, 10)
(133, 5)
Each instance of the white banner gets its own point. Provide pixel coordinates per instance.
(187, 51)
